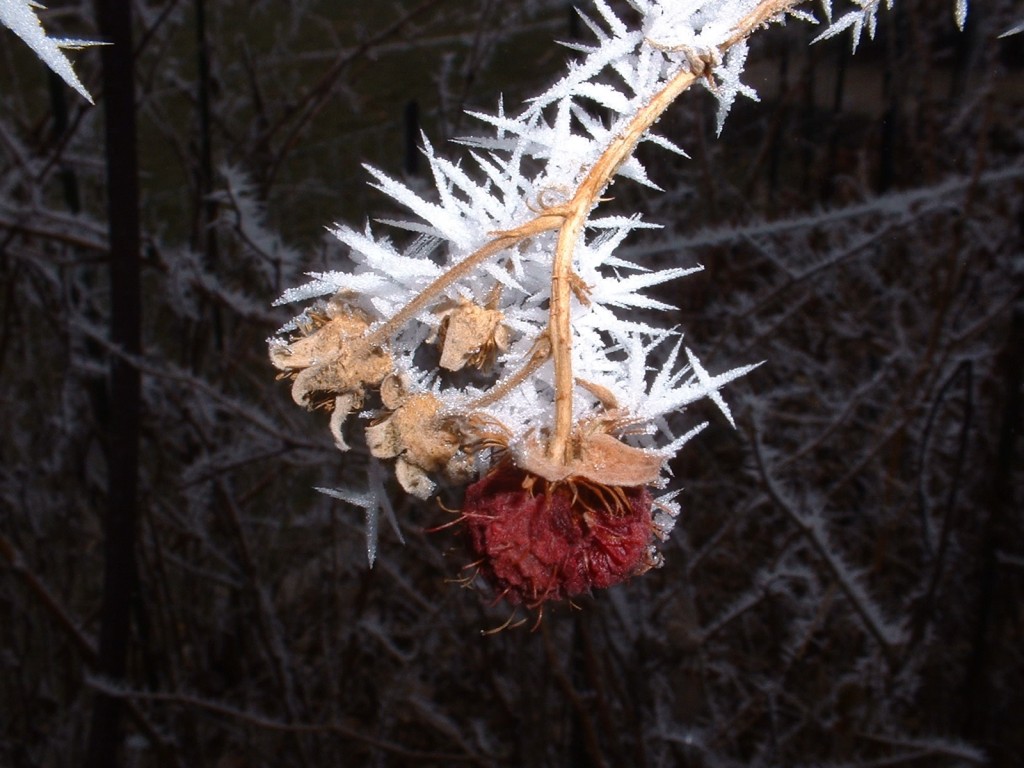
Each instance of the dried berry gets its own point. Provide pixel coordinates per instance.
(537, 540)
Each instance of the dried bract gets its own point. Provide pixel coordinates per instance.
(595, 456)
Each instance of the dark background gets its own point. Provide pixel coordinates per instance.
(844, 584)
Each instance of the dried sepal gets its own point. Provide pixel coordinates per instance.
(595, 455)
(327, 361)
(413, 478)
(469, 334)
(343, 406)
(393, 391)
(602, 394)
(422, 440)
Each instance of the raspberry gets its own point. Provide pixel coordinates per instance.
(536, 540)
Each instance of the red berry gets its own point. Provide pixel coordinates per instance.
(536, 540)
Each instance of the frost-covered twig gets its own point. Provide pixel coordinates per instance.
(254, 719)
(887, 635)
(513, 273)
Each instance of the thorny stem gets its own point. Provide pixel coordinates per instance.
(763, 13)
(584, 200)
(582, 203)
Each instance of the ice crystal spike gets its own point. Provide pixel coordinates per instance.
(20, 17)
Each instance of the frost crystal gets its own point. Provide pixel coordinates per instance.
(20, 17)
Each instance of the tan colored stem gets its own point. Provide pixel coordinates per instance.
(580, 206)
(749, 24)
(570, 220)
(582, 203)
(541, 354)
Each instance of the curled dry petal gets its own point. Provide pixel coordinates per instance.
(329, 365)
(324, 336)
(413, 479)
(343, 406)
(350, 370)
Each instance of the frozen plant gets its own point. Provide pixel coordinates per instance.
(20, 17)
(501, 347)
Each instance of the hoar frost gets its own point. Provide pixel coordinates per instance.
(20, 17)
(501, 348)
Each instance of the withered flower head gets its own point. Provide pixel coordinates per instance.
(469, 334)
(420, 438)
(329, 366)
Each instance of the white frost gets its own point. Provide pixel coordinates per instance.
(20, 17)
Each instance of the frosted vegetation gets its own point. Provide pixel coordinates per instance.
(514, 271)
(20, 17)
(842, 586)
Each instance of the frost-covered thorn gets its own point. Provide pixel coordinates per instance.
(699, 61)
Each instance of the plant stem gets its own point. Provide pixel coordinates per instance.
(580, 206)
(569, 220)
(544, 222)
(541, 354)
(584, 200)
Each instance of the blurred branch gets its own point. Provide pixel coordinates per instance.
(86, 647)
(308, 106)
(120, 523)
(354, 731)
(887, 637)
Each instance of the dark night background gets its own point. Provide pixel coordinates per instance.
(174, 592)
